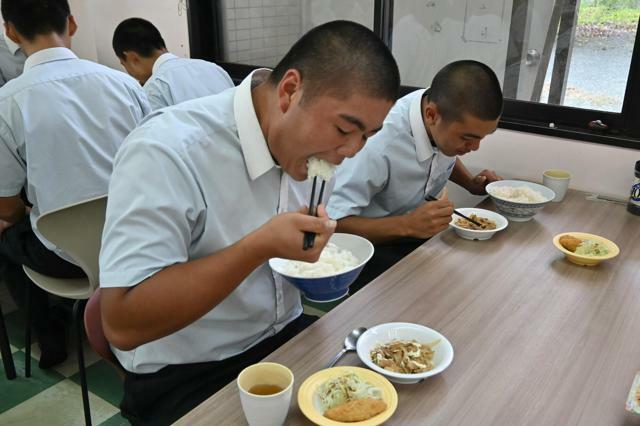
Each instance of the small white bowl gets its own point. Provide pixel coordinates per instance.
(385, 333)
(515, 210)
(482, 234)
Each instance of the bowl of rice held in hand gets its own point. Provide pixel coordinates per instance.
(519, 200)
(328, 279)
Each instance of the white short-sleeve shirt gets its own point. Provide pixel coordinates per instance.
(194, 179)
(395, 170)
(175, 80)
(61, 123)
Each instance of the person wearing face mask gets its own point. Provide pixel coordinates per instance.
(187, 296)
(380, 194)
(166, 78)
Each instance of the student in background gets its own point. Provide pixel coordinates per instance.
(380, 194)
(188, 299)
(11, 59)
(167, 79)
(61, 123)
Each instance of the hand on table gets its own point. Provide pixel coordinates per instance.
(481, 180)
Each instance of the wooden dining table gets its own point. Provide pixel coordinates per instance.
(537, 340)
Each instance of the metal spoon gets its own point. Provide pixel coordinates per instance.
(349, 344)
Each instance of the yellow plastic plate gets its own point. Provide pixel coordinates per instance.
(309, 402)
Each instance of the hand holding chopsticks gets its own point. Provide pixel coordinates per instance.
(457, 213)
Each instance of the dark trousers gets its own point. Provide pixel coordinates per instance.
(20, 246)
(163, 397)
(384, 257)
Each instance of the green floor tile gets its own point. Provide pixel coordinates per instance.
(116, 420)
(13, 392)
(103, 381)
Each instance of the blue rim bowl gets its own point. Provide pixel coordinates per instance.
(331, 287)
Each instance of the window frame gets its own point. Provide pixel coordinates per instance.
(206, 42)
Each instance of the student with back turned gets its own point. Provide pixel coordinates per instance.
(61, 123)
(167, 79)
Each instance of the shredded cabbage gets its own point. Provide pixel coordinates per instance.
(344, 389)
(591, 248)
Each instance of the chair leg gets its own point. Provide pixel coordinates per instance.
(27, 330)
(78, 318)
(5, 350)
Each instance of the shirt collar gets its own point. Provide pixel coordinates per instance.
(424, 149)
(254, 146)
(161, 60)
(48, 55)
(11, 45)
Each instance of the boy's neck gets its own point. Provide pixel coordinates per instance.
(42, 42)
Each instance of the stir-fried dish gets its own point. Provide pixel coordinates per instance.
(407, 357)
(487, 224)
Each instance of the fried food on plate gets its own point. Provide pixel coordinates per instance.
(357, 410)
(570, 243)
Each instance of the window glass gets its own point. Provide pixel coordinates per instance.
(572, 53)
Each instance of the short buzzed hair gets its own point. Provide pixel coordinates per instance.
(337, 57)
(32, 18)
(468, 87)
(137, 35)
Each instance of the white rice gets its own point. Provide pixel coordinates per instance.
(333, 260)
(321, 168)
(518, 194)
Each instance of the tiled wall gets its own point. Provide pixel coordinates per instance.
(260, 32)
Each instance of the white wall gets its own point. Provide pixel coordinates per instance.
(97, 19)
(429, 34)
(84, 41)
(594, 168)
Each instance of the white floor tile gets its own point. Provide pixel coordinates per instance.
(59, 405)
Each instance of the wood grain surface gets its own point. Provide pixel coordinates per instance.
(537, 340)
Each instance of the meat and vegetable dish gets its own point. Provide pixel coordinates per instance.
(407, 357)
(487, 224)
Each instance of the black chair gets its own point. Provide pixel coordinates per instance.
(5, 350)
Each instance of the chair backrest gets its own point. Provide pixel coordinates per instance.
(95, 332)
(77, 231)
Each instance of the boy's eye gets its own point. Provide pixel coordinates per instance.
(342, 132)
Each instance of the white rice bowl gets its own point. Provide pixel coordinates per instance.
(519, 200)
